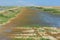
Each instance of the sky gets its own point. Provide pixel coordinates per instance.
(29, 2)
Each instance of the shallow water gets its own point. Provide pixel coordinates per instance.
(41, 18)
(34, 16)
(46, 19)
(49, 19)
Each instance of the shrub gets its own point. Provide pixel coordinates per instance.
(39, 7)
(49, 9)
(1, 15)
(56, 11)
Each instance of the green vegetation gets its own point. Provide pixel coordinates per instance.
(56, 11)
(52, 10)
(44, 39)
(1, 15)
(18, 39)
(6, 7)
(40, 7)
(41, 30)
(23, 39)
(29, 39)
(49, 9)
(35, 25)
(5, 16)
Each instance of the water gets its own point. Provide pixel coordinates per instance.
(46, 19)
(34, 16)
(49, 19)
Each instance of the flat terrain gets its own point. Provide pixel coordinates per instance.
(30, 33)
(6, 14)
(29, 23)
(33, 33)
(34, 16)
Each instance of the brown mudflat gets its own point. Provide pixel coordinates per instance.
(23, 18)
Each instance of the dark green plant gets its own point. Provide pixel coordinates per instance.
(18, 39)
(39, 7)
(49, 9)
(56, 11)
(11, 10)
(1, 15)
(29, 39)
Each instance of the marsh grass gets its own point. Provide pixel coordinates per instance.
(4, 17)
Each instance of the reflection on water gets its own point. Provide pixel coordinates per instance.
(29, 17)
(34, 16)
(49, 19)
